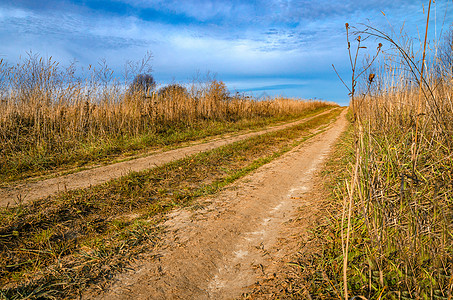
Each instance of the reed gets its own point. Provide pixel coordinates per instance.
(51, 117)
(388, 231)
(400, 239)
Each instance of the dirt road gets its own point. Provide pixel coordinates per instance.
(29, 191)
(240, 235)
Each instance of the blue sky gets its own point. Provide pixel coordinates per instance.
(275, 47)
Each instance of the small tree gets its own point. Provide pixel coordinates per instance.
(143, 83)
(172, 89)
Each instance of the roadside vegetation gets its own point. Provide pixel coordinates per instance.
(54, 120)
(389, 230)
(56, 247)
(398, 205)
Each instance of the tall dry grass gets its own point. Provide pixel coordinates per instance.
(50, 116)
(404, 201)
(400, 223)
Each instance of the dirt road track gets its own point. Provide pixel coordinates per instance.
(29, 191)
(240, 235)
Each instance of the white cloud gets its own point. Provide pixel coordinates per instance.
(6, 13)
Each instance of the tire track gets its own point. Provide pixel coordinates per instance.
(14, 194)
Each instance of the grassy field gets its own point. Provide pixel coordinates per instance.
(52, 121)
(57, 246)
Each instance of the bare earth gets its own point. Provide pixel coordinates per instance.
(29, 191)
(239, 236)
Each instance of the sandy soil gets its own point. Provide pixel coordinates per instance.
(239, 236)
(32, 190)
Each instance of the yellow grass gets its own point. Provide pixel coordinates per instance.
(49, 116)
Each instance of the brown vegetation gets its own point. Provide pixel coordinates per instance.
(50, 117)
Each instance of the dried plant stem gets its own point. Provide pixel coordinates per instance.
(350, 189)
(420, 93)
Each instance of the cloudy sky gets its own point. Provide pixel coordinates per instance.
(277, 47)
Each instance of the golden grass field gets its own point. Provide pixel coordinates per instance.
(50, 118)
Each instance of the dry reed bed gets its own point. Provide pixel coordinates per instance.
(389, 234)
(403, 209)
(396, 224)
(50, 117)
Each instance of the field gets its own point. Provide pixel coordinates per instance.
(54, 121)
(235, 197)
(54, 124)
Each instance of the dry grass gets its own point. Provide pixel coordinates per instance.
(403, 204)
(51, 118)
(392, 224)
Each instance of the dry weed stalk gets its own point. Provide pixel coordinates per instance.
(348, 203)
